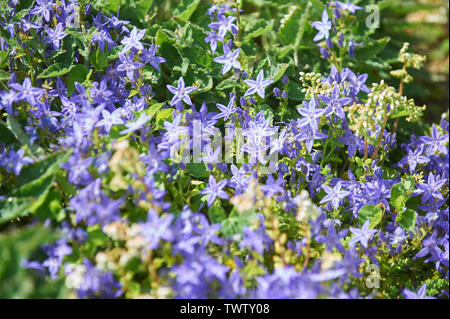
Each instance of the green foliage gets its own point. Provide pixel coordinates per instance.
(372, 213)
(16, 281)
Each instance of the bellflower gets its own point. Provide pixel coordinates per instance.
(132, 41)
(229, 59)
(214, 190)
(258, 85)
(181, 92)
(362, 235)
(323, 27)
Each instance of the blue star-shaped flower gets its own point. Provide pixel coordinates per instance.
(181, 92)
(323, 27)
(258, 85)
(229, 59)
(363, 235)
(226, 111)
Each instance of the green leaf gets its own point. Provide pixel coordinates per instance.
(198, 170)
(54, 70)
(51, 208)
(25, 200)
(227, 84)
(235, 223)
(185, 9)
(99, 59)
(43, 168)
(275, 73)
(371, 48)
(259, 28)
(6, 136)
(216, 214)
(401, 192)
(77, 74)
(163, 115)
(4, 76)
(371, 212)
(293, 25)
(17, 281)
(16, 129)
(407, 219)
(154, 108)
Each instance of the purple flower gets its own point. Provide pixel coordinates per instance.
(110, 119)
(129, 66)
(421, 294)
(27, 92)
(137, 125)
(335, 103)
(323, 27)
(334, 195)
(226, 111)
(215, 190)
(436, 142)
(347, 6)
(148, 56)
(102, 37)
(358, 82)
(224, 25)
(415, 157)
(229, 59)
(7, 99)
(212, 39)
(96, 283)
(14, 161)
(430, 189)
(181, 92)
(157, 228)
(258, 85)
(43, 8)
(132, 41)
(353, 142)
(308, 136)
(363, 235)
(255, 239)
(55, 36)
(310, 114)
(351, 48)
(430, 247)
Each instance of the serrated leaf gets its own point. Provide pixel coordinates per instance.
(234, 224)
(371, 212)
(291, 25)
(407, 219)
(163, 115)
(259, 28)
(54, 70)
(401, 192)
(154, 108)
(198, 170)
(371, 48)
(42, 168)
(216, 214)
(25, 200)
(4, 76)
(185, 9)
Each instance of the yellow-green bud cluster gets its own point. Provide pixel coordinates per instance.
(411, 59)
(313, 86)
(365, 118)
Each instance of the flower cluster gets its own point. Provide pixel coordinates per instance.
(98, 122)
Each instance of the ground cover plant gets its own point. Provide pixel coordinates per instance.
(225, 149)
